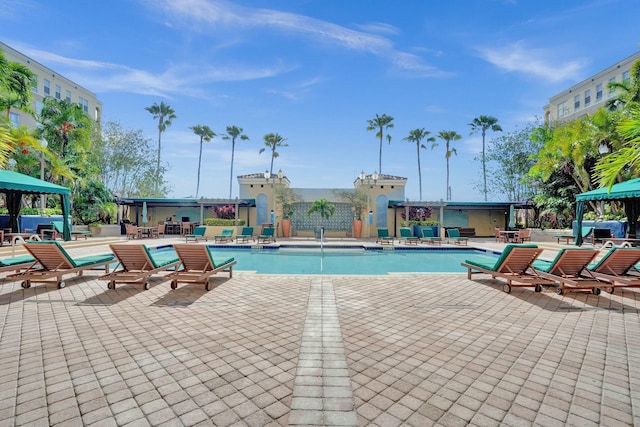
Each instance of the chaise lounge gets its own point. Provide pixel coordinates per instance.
(197, 265)
(429, 237)
(619, 268)
(197, 235)
(453, 234)
(569, 270)
(136, 263)
(407, 236)
(225, 236)
(383, 237)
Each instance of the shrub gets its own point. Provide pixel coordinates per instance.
(223, 222)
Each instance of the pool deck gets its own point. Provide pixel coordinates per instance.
(265, 350)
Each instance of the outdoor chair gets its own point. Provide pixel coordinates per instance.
(58, 226)
(136, 263)
(513, 265)
(133, 232)
(500, 238)
(197, 265)
(197, 235)
(453, 234)
(383, 237)
(619, 268)
(429, 237)
(267, 236)
(53, 261)
(16, 263)
(585, 231)
(245, 235)
(406, 236)
(569, 270)
(225, 236)
(158, 231)
(524, 235)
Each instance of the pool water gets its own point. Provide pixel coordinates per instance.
(349, 261)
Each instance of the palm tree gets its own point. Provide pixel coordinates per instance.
(483, 123)
(417, 136)
(206, 134)
(380, 123)
(165, 114)
(273, 141)
(448, 136)
(66, 127)
(15, 86)
(324, 208)
(233, 132)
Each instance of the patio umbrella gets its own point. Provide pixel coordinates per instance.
(144, 212)
(512, 217)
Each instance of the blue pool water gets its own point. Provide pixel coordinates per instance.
(349, 261)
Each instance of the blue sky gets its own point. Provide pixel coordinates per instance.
(315, 71)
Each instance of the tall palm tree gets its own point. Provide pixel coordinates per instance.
(417, 136)
(233, 132)
(448, 136)
(380, 123)
(484, 123)
(15, 86)
(273, 141)
(206, 134)
(165, 114)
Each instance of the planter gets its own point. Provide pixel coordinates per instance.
(357, 228)
(417, 230)
(286, 227)
(317, 232)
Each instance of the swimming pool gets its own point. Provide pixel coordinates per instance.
(350, 261)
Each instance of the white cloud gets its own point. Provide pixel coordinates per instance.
(516, 57)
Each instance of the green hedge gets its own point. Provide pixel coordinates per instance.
(223, 222)
(34, 211)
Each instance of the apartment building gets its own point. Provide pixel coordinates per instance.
(49, 84)
(589, 95)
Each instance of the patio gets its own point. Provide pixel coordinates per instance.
(402, 349)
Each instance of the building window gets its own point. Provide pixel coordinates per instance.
(587, 98)
(612, 91)
(562, 109)
(15, 119)
(599, 92)
(68, 96)
(576, 102)
(34, 84)
(625, 76)
(47, 87)
(84, 104)
(58, 95)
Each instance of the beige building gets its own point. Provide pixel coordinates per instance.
(49, 84)
(589, 95)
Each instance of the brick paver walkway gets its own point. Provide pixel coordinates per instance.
(261, 350)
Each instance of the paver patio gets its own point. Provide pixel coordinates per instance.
(263, 350)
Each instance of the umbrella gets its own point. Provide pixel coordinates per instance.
(144, 212)
(512, 217)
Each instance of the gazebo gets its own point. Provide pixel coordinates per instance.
(15, 184)
(627, 192)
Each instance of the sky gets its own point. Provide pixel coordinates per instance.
(314, 71)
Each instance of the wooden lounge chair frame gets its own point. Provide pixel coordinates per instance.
(197, 235)
(406, 235)
(135, 265)
(383, 237)
(197, 265)
(618, 268)
(569, 271)
(428, 237)
(52, 261)
(513, 265)
(225, 236)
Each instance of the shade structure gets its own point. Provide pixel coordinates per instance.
(627, 192)
(144, 212)
(512, 216)
(15, 184)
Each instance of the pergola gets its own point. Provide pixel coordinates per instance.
(15, 184)
(627, 192)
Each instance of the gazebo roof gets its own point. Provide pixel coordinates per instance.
(624, 190)
(14, 181)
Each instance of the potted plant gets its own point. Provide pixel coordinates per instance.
(325, 209)
(358, 201)
(285, 197)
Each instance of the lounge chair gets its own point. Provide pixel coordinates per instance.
(136, 264)
(619, 267)
(197, 235)
(453, 234)
(245, 235)
(16, 263)
(383, 237)
(58, 226)
(429, 237)
(513, 265)
(267, 235)
(585, 231)
(53, 261)
(406, 235)
(225, 236)
(197, 265)
(569, 270)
